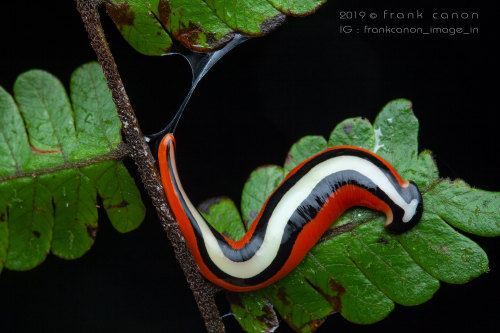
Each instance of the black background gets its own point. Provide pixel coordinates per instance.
(301, 79)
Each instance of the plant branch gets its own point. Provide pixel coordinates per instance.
(139, 151)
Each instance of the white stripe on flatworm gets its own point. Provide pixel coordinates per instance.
(286, 207)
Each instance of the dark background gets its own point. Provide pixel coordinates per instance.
(301, 79)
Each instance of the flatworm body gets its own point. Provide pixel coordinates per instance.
(310, 198)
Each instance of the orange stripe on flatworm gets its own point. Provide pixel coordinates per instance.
(338, 201)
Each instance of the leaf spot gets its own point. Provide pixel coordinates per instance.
(268, 318)
(43, 151)
(253, 214)
(282, 296)
(91, 231)
(382, 240)
(339, 290)
(36, 233)
(122, 204)
(271, 23)
(234, 299)
(251, 217)
(466, 255)
(164, 11)
(121, 14)
(347, 128)
(189, 34)
(444, 249)
(211, 39)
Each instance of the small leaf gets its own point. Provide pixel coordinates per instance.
(424, 172)
(52, 169)
(96, 122)
(201, 25)
(139, 25)
(13, 139)
(258, 187)
(443, 252)
(353, 132)
(47, 112)
(75, 220)
(301, 305)
(218, 211)
(351, 293)
(120, 197)
(385, 262)
(396, 131)
(303, 149)
(30, 223)
(254, 313)
(471, 210)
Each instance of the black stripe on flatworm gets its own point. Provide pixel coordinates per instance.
(304, 213)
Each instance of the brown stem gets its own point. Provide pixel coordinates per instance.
(139, 151)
